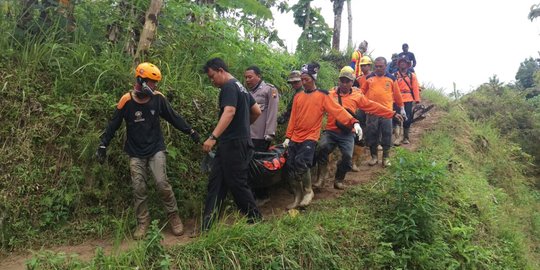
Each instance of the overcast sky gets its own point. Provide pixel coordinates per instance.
(459, 41)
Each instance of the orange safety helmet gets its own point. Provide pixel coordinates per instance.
(148, 71)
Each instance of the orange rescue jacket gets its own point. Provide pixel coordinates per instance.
(307, 115)
(382, 89)
(405, 83)
(354, 101)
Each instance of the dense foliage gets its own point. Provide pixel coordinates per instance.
(59, 89)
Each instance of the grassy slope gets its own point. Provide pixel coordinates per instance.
(460, 202)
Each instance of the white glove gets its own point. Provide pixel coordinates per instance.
(403, 113)
(268, 138)
(286, 143)
(358, 130)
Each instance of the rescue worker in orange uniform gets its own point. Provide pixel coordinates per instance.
(142, 109)
(303, 132)
(410, 94)
(356, 57)
(338, 135)
(381, 87)
(365, 66)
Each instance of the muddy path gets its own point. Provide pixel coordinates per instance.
(279, 198)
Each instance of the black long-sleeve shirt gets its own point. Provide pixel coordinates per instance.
(144, 136)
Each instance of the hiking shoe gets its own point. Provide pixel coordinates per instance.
(306, 200)
(339, 185)
(373, 161)
(140, 232)
(261, 202)
(405, 141)
(386, 162)
(175, 222)
(355, 168)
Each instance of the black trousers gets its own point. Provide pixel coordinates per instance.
(230, 172)
(408, 111)
(261, 145)
(300, 159)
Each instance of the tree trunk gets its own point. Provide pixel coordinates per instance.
(308, 15)
(149, 29)
(349, 18)
(338, 10)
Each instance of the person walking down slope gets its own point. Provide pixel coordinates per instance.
(392, 67)
(356, 57)
(408, 85)
(263, 130)
(296, 84)
(141, 109)
(382, 88)
(238, 110)
(366, 66)
(303, 132)
(338, 135)
(408, 55)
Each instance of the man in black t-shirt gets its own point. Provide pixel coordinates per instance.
(237, 110)
(141, 109)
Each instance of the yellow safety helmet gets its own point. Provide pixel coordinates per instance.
(148, 71)
(366, 60)
(347, 72)
(347, 69)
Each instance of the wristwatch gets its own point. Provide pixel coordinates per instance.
(212, 137)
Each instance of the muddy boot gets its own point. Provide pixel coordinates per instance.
(175, 222)
(406, 136)
(307, 190)
(296, 187)
(140, 232)
(357, 155)
(322, 172)
(397, 136)
(386, 158)
(373, 151)
(338, 182)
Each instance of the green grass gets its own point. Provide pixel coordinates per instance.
(439, 208)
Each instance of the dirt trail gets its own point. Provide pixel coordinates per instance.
(280, 197)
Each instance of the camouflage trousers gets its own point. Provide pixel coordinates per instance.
(139, 171)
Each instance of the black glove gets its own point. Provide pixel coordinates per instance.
(101, 154)
(195, 137)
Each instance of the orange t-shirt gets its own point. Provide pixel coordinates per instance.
(307, 115)
(406, 80)
(382, 89)
(354, 101)
(361, 80)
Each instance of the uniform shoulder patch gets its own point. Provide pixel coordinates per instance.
(123, 100)
(274, 92)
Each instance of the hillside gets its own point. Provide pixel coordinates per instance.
(464, 195)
